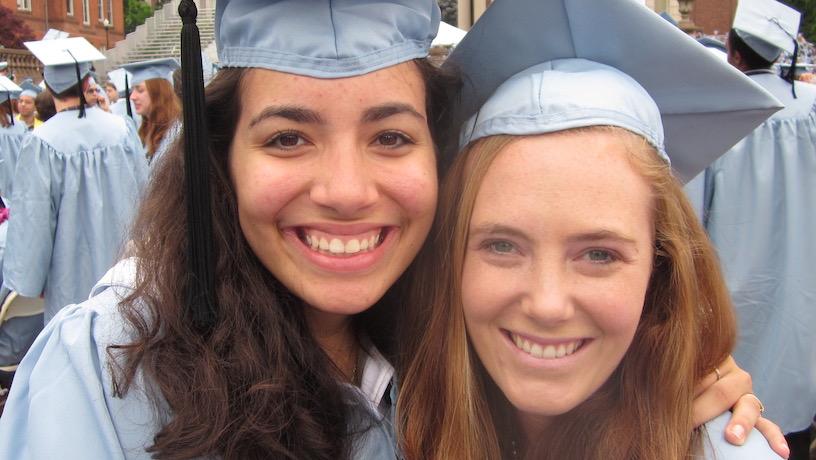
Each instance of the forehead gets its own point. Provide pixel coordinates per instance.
(400, 83)
(580, 177)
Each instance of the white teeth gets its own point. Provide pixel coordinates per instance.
(352, 247)
(337, 246)
(545, 351)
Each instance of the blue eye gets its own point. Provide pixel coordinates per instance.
(600, 256)
(501, 247)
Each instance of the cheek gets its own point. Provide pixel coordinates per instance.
(485, 291)
(414, 186)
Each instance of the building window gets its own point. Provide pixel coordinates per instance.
(24, 5)
(110, 11)
(100, 10)
(86, 12)
(69, 7)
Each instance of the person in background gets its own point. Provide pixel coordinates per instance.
(112, 92)
(26, 105)
(44, 102)
(155, 101)
(67, 230)
(760, 215)
(11, 137)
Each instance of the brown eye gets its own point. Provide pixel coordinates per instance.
(392, 139)
(288, 140)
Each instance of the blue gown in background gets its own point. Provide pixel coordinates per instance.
(119, 108)
(761, 216)
(78, 185)
(11, 139)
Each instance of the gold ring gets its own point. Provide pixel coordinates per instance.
(761, 406)
(717, 371)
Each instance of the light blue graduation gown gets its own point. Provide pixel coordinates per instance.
(61, 404)
(119, 108)
(78, 186)
(761, 216)
(10, 140)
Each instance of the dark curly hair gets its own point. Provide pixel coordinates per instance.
(259, 385)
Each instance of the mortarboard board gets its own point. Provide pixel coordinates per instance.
(767, 27)
(448, 35)
(3, 65)
(315, 38)
(148, 70)
(29, 88)
(669, 88)
(10, 89)
(66, 62)
(55, 34)
(117, 77)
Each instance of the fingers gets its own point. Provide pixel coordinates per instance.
(720, 395)
(745, 414)
(774, 436)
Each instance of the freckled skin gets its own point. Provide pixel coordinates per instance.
(547, 280)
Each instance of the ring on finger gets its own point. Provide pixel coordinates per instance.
(761, 406)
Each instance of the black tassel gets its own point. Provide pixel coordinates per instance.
(11, 112)
(82, 100)
(200, 287)
(791, 76)
(127, 97)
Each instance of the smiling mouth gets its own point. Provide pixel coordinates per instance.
(341, 245)
(549, 351)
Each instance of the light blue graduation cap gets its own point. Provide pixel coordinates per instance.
(29, 88)
(8, 88)
(117, 77)
(147, 70)
(3, 65)
(767, 27)
(66, 62)
(323, 38)
(315, 38)
(541, 66)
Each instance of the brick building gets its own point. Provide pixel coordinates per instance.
(101, 22)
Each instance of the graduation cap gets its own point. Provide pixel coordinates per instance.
(3, 65)
(67, 61)
(315, 38)
(148, 70)
(9, 88)
(540, 66)
(769, 28)
(29, 88)
(117, 77)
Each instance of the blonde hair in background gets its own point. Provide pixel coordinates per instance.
(449, 407)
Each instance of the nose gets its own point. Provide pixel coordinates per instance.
(549, 299)
(344, 184)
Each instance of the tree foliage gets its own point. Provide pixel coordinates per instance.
(136, 12)
(808, 10)
(13, 31)
(448, 8)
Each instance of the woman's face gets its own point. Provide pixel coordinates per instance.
(113, 95)
(558, 260)
(141, 99)
(335, 181)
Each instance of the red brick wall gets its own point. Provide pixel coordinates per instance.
(59, 19)
(714, 15)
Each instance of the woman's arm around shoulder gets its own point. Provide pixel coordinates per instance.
(717, 448)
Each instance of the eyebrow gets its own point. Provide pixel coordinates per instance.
(602, 235)
(492, 228)
(289, 112)
(384, 111)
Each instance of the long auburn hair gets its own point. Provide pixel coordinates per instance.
(5, 113)
(165, 110)
(453, 410)
(259, 385)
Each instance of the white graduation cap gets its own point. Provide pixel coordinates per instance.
(448, 35)
(767, 27)
(3, 65)
(117, 77)
(9, 87)
(67, 60)
(55, 34)
(539, 66)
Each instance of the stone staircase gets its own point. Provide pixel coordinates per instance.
(160, 36)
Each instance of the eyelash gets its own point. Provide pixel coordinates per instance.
(612, 256)
(402, 139)
(273, 141)
(490, 245)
